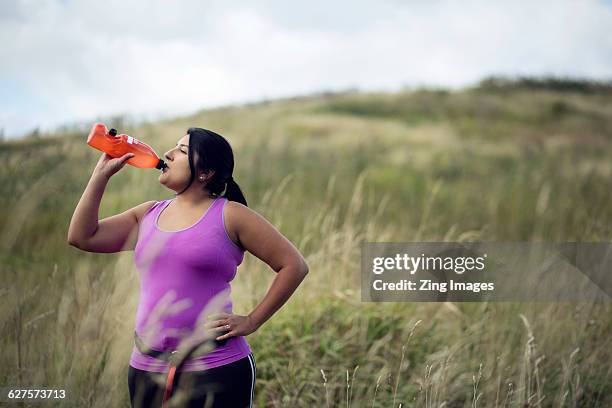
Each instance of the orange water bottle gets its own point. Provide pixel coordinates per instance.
(117, 145)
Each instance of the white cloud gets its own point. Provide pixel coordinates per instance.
(75, 60)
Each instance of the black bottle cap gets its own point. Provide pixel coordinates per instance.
(112, 132)
(160, 164)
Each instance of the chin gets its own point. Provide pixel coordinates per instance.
(164, 183)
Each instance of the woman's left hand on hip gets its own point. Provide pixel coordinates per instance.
(232, 324)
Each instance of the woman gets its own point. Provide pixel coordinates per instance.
(189, 346)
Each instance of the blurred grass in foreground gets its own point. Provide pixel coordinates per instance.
(492, 163)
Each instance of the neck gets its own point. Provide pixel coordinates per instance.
(193, 197)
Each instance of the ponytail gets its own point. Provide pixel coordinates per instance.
(233, 192)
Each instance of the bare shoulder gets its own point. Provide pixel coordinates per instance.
(239, 213)
(256, 234)
(140, 210)
(237, 217)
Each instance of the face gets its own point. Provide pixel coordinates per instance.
(177, 173)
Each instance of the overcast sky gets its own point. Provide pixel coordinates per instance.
(67, 60)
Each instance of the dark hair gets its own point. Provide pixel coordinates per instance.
(214, 153)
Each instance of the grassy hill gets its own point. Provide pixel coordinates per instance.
(504, 161)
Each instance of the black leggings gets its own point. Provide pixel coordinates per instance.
(231, 385)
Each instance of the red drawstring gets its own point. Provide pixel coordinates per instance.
(168, 390)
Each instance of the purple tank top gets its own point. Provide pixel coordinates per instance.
(184, 276)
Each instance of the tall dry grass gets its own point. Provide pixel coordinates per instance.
(331, 174)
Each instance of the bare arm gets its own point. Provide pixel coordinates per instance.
(264, 241)
(84, 222)
(112, 234)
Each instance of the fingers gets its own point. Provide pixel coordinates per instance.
(213, 323)
(218, 327)
(107, 157)
(227, 335)
(127, 156)
(216, 324)
(123, 159)
(215, 332)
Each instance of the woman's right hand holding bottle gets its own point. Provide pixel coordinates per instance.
(108, 165)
